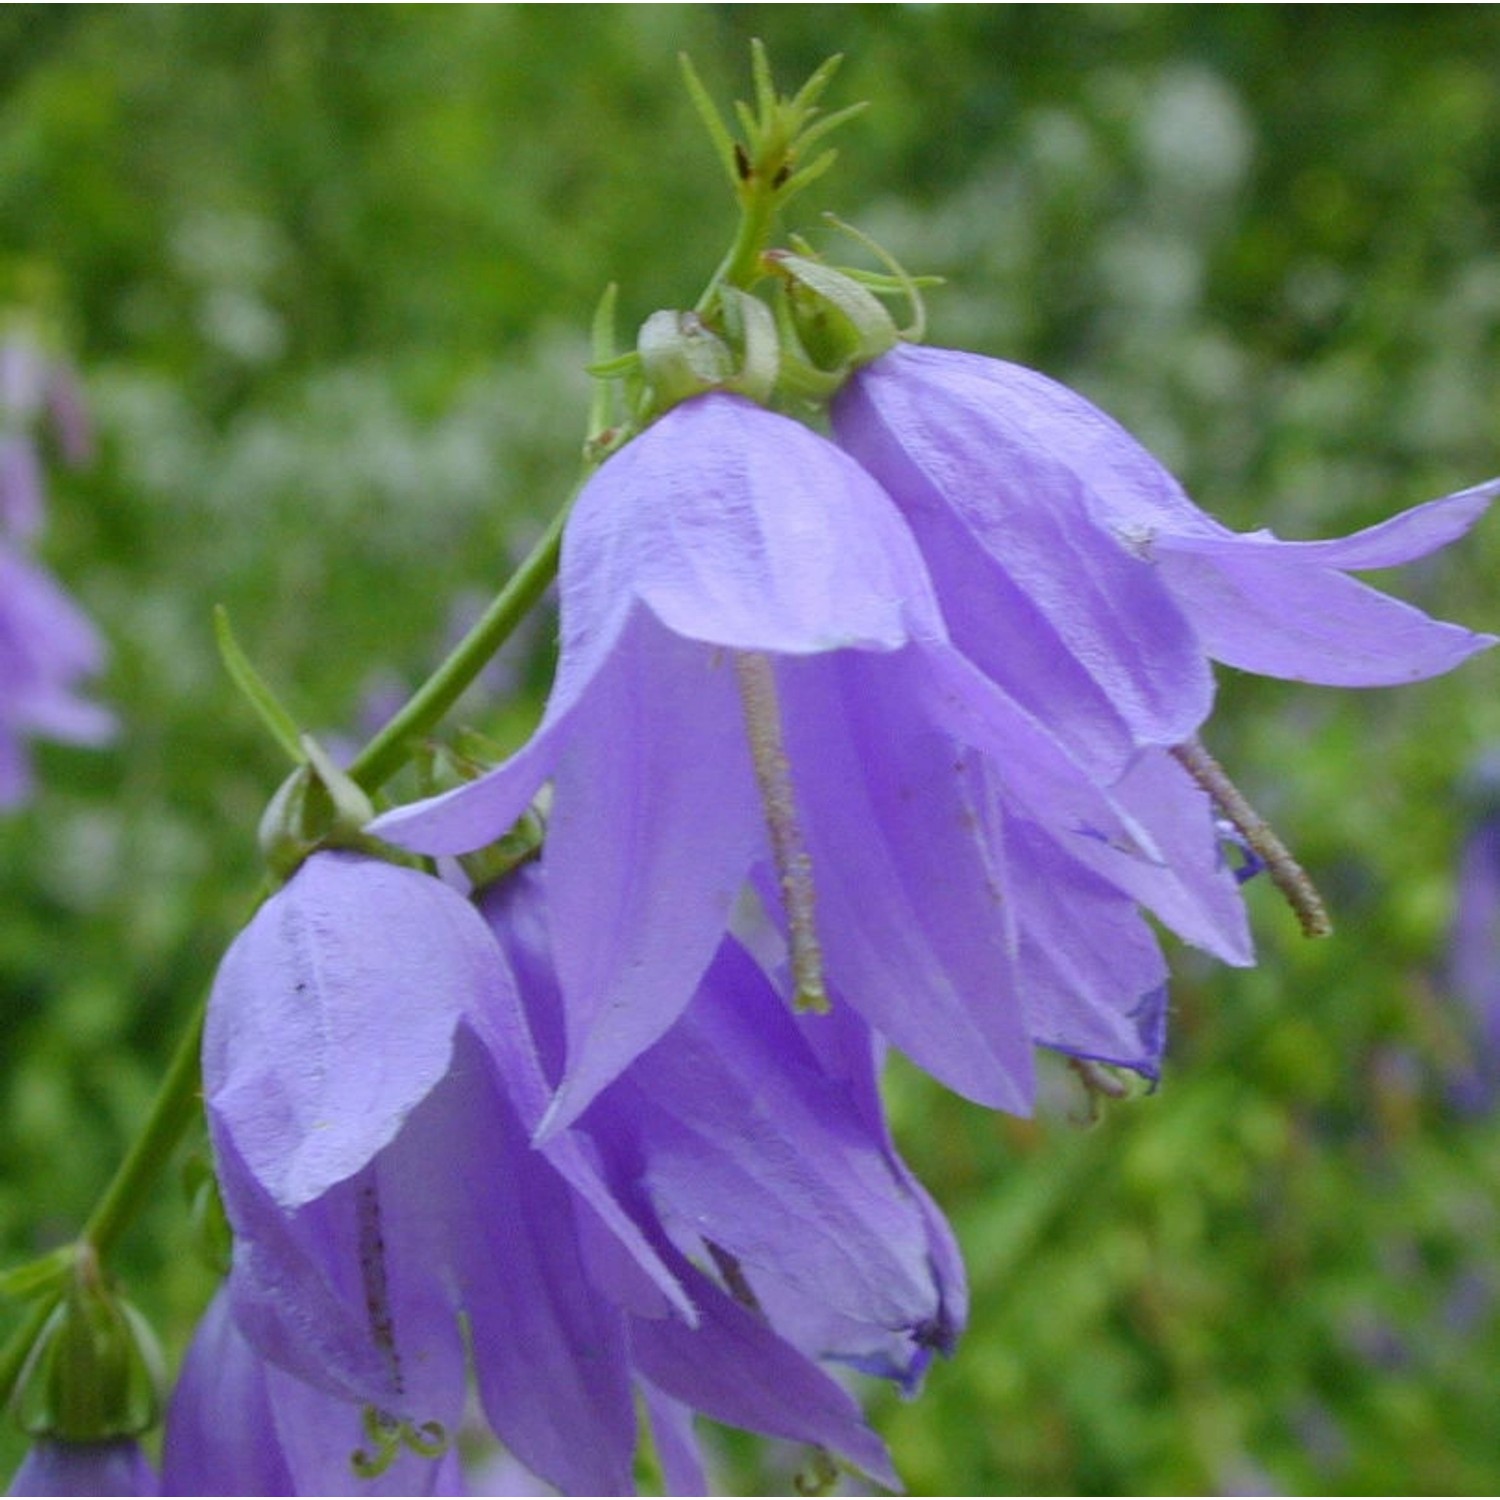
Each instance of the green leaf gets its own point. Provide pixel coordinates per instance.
(256, 689)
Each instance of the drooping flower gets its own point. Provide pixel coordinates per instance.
(756, 683)
(56, 1467)
(1018, 488)
(756, 1141)
(372, 1091)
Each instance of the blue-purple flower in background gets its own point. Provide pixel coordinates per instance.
(1473, 969)
(48, 646)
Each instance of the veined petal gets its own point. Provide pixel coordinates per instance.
(549, 1351)
(1029, 580)
(1311, 624)
(743, 1141)
(1088, 961)
(745, 529)
(1193, 890)
(735, 1369)
(655, 823)
(1388, 544)
(909, 908)
(332, 1017)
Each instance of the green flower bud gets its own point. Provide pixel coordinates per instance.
(94, 1372)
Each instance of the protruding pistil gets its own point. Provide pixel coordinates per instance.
(773, 774)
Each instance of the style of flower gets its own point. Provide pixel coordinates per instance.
(372, 1090)
(1074, 569)
(756, 684)
(47, 647)
(239, 1425)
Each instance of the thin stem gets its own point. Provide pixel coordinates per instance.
(173, 1110)
(389, 750)
(1285, 873)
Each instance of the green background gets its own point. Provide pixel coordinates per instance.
(328, 274)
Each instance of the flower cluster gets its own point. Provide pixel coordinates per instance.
(551, 1103)
(878, 740)
(47, 645)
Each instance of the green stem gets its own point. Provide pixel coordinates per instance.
(741, 264)
(173, 1110)
(390, 749)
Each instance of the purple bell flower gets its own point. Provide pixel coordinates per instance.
(756, 684)
(1023, 494)
(757, 1142)
(47, 646)
(379, 1179)
(372, 1090)
(54, 1467)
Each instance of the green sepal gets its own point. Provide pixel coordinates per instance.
(256, 690)
(841, 323)
(317, 807)
(752, 327)
(94, 1373)
(495, 861)
(682, 357)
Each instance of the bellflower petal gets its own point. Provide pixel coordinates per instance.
(741, 1138)
(1255, 610)
(654, 794)
(549, 1349)
(1090, 967)
(53, 1467)
(332, 1017)
(1038, 596)
(676, 1442)
(910, 905)
(1254, 601)
(238, 1425)
(735, 1369)
(780, 545)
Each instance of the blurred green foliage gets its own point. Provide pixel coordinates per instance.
(328, 273)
